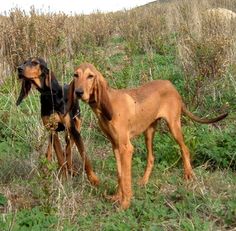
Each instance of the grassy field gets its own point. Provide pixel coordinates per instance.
(171, 41)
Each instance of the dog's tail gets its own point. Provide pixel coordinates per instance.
(204, 120)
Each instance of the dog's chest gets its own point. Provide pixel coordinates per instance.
(51, 104)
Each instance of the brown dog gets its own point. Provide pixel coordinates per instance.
(58, 113)
(123, 114)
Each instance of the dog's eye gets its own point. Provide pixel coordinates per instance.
(90, 76)
(76, 75)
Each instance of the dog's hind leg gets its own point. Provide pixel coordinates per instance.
(149, 134)
(175, 128)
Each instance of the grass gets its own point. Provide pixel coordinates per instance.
(31, 195)
(166, 203)
(34, 199)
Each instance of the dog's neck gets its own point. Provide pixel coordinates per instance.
(53, 96)
(98, 111)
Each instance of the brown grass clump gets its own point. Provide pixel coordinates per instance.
(145, 28)
(205, 41)
(30, 35)
(58, 36)
(202, 34)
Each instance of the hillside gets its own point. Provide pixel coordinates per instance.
(170, 40)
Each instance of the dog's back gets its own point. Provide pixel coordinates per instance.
(155, 87)
(140, 107)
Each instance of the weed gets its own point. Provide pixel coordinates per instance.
(167, 40)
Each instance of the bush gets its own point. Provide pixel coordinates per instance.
(216, 148)
(205, 45)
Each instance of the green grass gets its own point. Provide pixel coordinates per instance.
(32, 197)
(166, 203)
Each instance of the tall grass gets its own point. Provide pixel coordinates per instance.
(206, 43)
(174, 40)
(198, 44)
(202, 46)
(58, 37)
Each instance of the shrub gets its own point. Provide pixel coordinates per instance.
(205, 45)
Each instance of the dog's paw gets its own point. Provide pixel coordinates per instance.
(189, 175)
(124, 204)
(114, 198)
(142, 181)
(94, 180)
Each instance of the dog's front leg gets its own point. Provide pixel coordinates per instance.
(49, 148)
(59, 153)
(117, 197)
(68, 152)
(87, 164)
(70, 125)
(125, 155)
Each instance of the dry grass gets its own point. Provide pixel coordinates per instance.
(205, 49)
(205, 40)
(204, 200)
(62, 38)
(57, 36)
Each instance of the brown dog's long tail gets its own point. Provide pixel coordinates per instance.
(203, 121)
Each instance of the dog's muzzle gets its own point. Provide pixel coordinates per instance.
(79, 92)
(20, 72)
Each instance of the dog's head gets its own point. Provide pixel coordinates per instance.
(91, 87)
(85, 82)
(31, 72)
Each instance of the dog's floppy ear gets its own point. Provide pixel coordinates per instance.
(25, 88)
(101, 96)
(70, 96)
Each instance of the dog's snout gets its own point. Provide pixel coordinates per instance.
(20, 69)
(79, 92)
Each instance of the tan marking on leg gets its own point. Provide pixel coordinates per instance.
(59, 152)
(49, 148)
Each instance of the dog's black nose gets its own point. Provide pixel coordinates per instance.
(20, 72)
(79, 92)
(20, 69)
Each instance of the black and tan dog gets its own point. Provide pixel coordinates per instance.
(58, 111)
